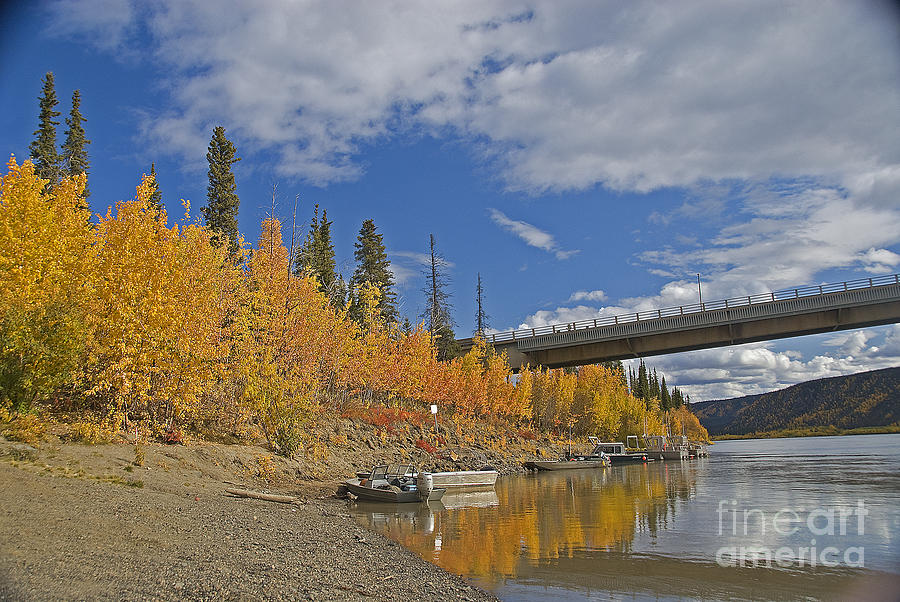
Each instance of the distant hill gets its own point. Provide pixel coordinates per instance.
(859, 400)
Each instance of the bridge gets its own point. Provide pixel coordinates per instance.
(767, 316)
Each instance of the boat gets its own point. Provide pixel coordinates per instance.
(698, 449)
(659, 445)
(596, 459)
(616, 452)
(486, 477)
(401, 488)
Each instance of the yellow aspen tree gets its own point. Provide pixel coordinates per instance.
(155, 317)
(46, 248)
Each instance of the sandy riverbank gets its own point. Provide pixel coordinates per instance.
(84, 522)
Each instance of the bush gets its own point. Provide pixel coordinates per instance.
(90, 433)
(26, 428)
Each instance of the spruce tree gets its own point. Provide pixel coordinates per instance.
(43, 149)
(372, 265)
(74, 152)
(665, 400)
(654, 386)
(222, 201)
(643, 384)
(316, 257)
(481, 316)
(156, 194)
(677, 398)
(437, 306)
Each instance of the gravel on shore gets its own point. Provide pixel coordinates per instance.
(94, 537)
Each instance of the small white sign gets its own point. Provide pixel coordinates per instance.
(433, 409)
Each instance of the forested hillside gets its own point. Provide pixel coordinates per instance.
(859, 400)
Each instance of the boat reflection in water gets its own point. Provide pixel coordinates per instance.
(532, 519)
(633, 530)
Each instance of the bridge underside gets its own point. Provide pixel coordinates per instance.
(701, 337)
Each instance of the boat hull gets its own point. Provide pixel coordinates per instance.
(565, 464)
(465, 478)
(457, 479)
(629, 458)
(389, 495)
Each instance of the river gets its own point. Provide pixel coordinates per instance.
(777, 519)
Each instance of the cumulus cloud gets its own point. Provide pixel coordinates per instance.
(781, 120)
(532, 235)
(633, 96)
(780, 239)
(760, 367)
(595, 296)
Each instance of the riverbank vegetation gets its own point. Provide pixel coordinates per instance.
(819, 431)
(130, 323)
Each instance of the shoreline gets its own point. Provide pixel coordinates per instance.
(788, 434)
(86, 522)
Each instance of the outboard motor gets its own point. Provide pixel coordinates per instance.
(424, 485)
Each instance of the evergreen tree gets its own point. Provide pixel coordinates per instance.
(43, 149)
(643, 386)
(665, 400)
(156, 195)
(222, 201)
(437, 306)
(340, 293)
(74, 151)
(481, 317)
(316, 257)
(654, 386)
(372, 265)
(677, 398)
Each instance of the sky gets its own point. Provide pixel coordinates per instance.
(586, 158)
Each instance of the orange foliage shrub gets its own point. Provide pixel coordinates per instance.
(151, 325)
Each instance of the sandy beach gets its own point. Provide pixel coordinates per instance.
(85, 522)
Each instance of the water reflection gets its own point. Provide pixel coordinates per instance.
(536, 518)
(653, 531)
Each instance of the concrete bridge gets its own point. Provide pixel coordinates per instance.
(775, 315)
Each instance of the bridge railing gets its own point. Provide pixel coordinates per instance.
(706, 306)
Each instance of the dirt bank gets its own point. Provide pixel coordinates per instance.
(84, 522)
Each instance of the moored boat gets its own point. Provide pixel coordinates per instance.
(379, 486)
(572, 463)
(617, 453)
(596, 459)
(486, 477)
(666, 449)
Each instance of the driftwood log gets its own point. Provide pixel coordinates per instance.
(269, 497)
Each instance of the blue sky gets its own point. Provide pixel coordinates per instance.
(587, 158)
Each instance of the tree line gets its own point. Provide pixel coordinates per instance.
(160, 328)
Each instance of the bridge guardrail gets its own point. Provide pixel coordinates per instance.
(735, 302)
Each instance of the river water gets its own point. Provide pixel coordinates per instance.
(778, 519)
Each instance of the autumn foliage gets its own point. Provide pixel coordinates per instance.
(148, 326)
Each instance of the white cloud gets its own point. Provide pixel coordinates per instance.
(760, 367)
(532, 235)
(408, 265)
(879, 261)
(104, 23)
(595, 296)
(634, 96)
(782, 239)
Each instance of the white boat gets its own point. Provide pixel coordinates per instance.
(674, 448)
(379, 486)
(448, 480)
(616, 452)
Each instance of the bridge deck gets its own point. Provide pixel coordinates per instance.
(780, 314)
